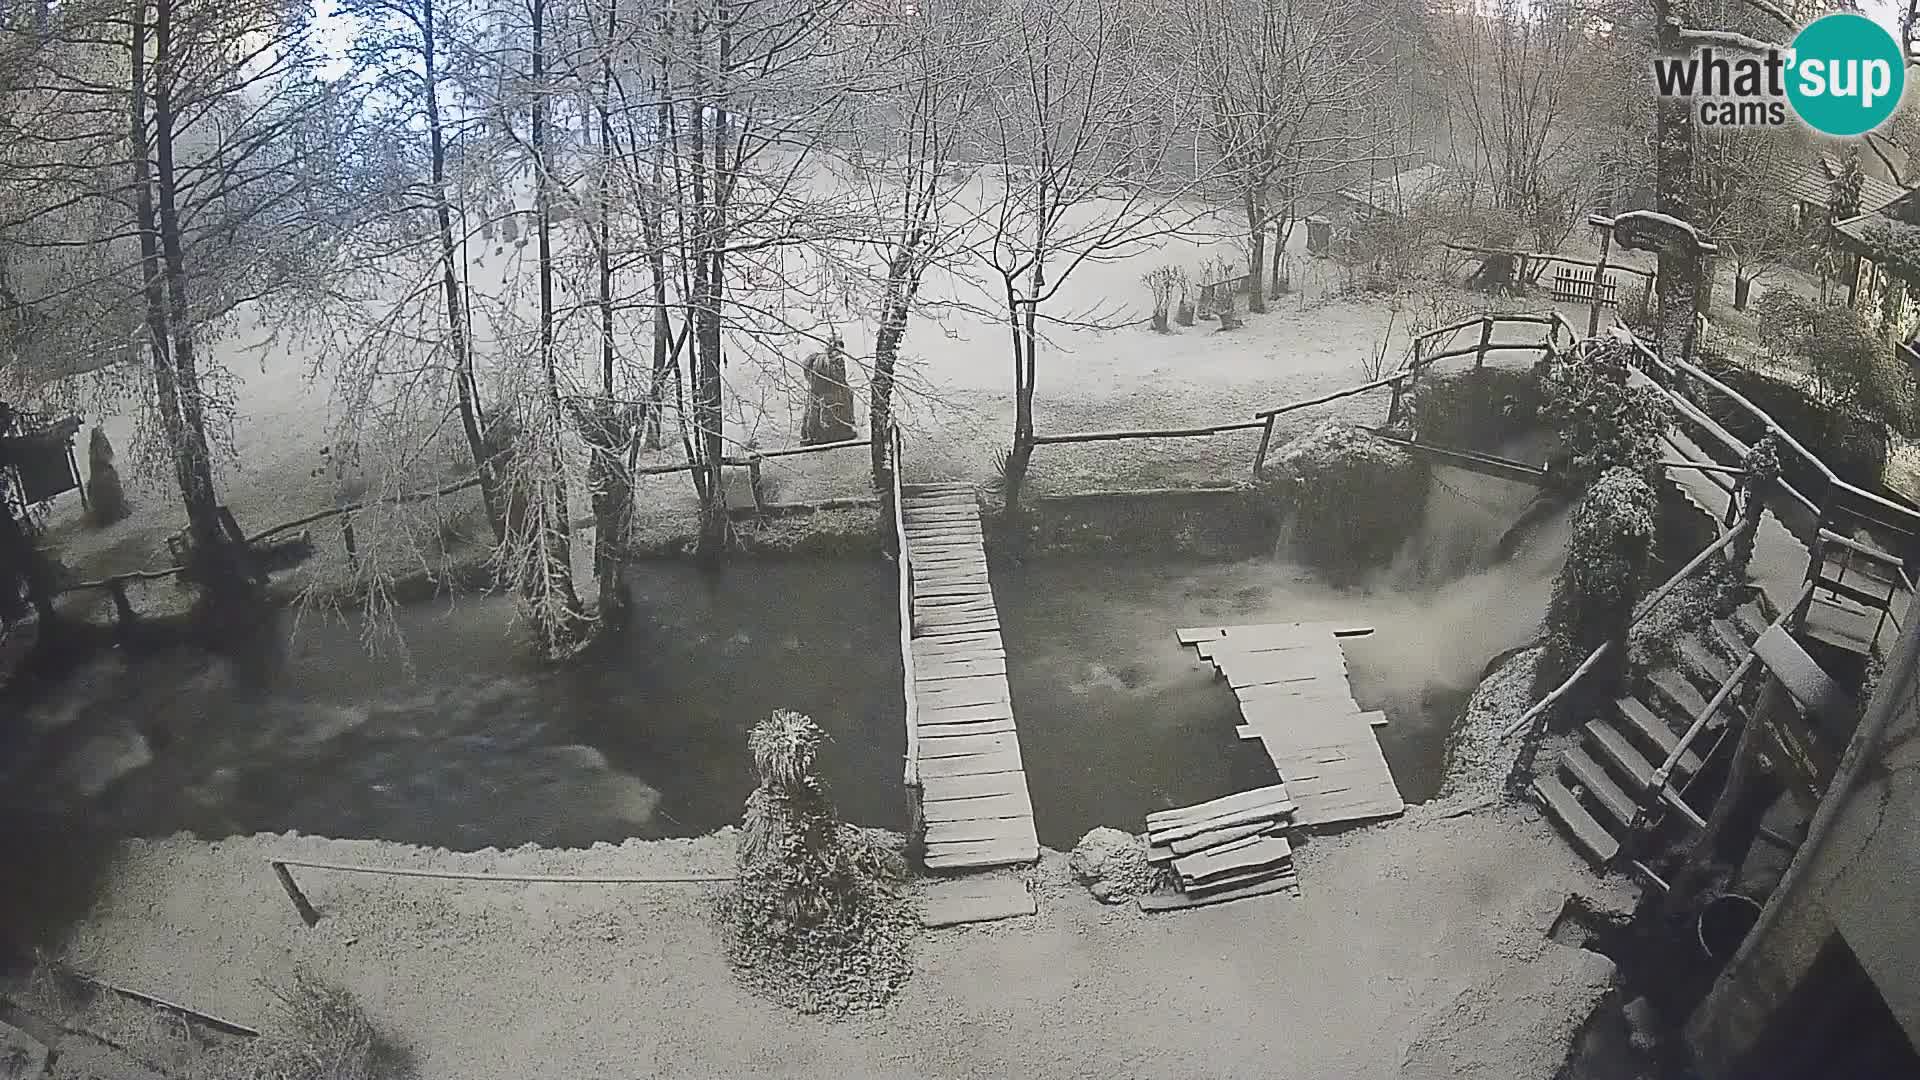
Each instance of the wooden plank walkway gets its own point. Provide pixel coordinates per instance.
(1291, 681)
(974, 800)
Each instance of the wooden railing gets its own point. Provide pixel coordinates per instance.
(1427, 349)
(1659, 785)
(902, 558)
(1837, 500)
(1538, 713)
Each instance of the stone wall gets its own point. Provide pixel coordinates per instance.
(1224, 523)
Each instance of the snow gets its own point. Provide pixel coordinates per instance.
(1415, 945)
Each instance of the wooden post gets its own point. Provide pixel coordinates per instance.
(346, 536)
(307, 914)
(753, 482)
(122, 610)
(1482, 393)
(1599, 278)
(1266, 440)
(79, 484)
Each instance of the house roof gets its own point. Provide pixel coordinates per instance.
(1812, 183)
(1398, 192)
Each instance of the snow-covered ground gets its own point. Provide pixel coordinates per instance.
(1417, 948)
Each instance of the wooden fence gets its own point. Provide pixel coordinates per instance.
(116, 584)
(1428, 349)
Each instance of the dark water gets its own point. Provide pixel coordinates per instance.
(466, 743)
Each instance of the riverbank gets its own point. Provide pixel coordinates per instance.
(1417, 948)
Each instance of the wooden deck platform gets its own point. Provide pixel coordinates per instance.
(974, 801)
(1291, 681)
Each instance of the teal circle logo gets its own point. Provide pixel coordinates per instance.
(1848, 74)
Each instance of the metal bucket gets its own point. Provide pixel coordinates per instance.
(1724, 923)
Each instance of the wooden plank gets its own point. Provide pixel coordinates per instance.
(1805, 681)
(961, 590)
(962, 745)
(1185, 830)
(933, 644)
(945, 561)
(1218, 837)
(977, 854)
(972, 690)
(1154, 902)
(952, 604)
(1588, 835)
(971, 901)
(1318, 695)
(1240, 879)
(937, 670)
(997, 761)
(978, 727)
(1241, 800)
(949, 575)
(1291, 670)
(968, 787)
(967, 714)
(979, 829)
(921, 626)
(954, 551)
(931, 661)
(1264, 851)
(925, 615)
(962, 583)
(984, 808)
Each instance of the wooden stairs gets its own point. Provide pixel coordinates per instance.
(1591, 790)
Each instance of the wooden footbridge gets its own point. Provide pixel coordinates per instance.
(963, 751)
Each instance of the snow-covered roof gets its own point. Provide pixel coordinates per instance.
(1812, 183)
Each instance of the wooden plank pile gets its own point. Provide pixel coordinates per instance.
(1222, 850)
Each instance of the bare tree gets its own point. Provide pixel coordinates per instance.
(177, 125)
(917, 205)
(1287, 90)
(1063, 123)
(1512, 76)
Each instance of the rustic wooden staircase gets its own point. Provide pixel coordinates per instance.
(1593, 789)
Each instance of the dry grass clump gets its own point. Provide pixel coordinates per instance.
(321, 1033)
(816, 922)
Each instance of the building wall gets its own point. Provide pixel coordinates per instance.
(1859, 877)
